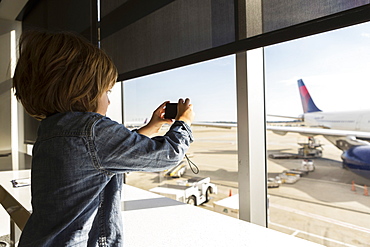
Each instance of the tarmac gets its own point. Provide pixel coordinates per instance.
(329, 206)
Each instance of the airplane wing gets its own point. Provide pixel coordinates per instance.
(318, 131)
(342, 139)
(300, 118)
(282, 130)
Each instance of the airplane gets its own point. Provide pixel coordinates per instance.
(349, 131)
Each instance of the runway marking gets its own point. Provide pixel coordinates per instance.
(319, 203)
(296, 231)
(322, 218)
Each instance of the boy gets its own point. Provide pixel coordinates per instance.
(80, 155)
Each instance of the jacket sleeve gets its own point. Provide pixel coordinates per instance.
(121, 150)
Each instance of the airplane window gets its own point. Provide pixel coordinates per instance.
(317, 136)
(212, 89)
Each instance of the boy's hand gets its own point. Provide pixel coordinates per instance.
(185, 111)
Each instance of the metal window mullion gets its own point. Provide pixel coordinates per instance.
(251, 137)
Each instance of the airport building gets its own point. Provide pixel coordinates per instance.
(146, 37)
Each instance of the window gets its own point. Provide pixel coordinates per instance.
(326, 203)
(211, 87)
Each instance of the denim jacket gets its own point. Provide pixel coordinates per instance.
(77, 173)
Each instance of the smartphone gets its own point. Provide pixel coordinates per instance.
(170, 111)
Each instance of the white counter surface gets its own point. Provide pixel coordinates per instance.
(153, 220)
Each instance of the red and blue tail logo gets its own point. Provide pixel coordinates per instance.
(307, 102)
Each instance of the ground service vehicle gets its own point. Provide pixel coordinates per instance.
(177, 171)
(194, 191)
(288, 178)
(273, 183)
(308, 165)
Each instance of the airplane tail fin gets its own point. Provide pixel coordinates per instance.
(307, 102)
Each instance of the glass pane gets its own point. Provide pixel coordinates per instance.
(318, 197)
(211, 87)
(114, 111)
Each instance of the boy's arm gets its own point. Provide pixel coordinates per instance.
(121, 150)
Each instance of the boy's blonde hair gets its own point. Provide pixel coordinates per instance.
(60, 72)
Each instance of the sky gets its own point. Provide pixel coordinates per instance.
(335, 67)
(209, 85)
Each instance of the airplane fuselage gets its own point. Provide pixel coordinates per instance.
(351, 120)
(349, 131)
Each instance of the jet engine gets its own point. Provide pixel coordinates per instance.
(357, 159)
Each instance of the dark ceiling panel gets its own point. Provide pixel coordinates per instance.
(62, 15)
(280, 14)
(153, 35)
(129, 12)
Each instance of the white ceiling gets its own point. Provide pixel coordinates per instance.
(9, 9)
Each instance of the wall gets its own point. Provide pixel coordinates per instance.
(12, 147)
